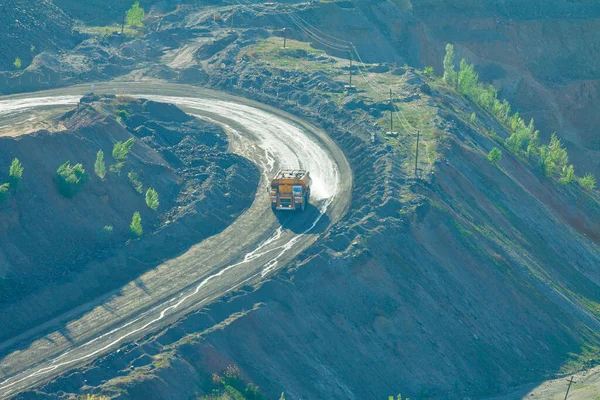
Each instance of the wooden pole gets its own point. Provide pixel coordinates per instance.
(391, 112)
(417, 155)
(350, 51)
(571, 381)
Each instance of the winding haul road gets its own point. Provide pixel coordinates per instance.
(250, 250)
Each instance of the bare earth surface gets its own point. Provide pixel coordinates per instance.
(249, 251)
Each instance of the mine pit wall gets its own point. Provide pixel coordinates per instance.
(86, 265)
(426, 302)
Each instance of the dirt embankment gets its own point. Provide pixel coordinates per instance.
(467, 282)
(80, 247)
(541, 56)
(36, 23)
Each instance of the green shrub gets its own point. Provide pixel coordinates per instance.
(116, 168)
(567, 175)
(495, 155)
(4, 192)
(15, 172)
(70, 178)
(473, 118)
(588, 182)
(152, 199)
(100, 165)
(18, 63)
(123, 114)
(136, 183)
(122, 149)
(429, 71)
(553, 157)
(136, 225)
(108, 229)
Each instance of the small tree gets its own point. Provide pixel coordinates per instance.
(135, 16)
(70, 178)
(467, 80)
(533, 148)
(495, 155)
(429, 71)
(122, 149)
(116, 168)
(134, 178)
(18, 64)
(32, 49)
(449, 71)
(100, 165)
(567, 175)
(4, 191)
(152, 199)
(15, 172)
(136, 225)
(588, 182)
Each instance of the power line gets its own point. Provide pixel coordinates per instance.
(334, 43)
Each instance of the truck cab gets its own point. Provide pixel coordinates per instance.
(290, 190)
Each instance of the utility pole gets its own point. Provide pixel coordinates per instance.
(391, 112)
(417, 155)
(571, 381)
(284, 37)
(232, 13)
(350, 51)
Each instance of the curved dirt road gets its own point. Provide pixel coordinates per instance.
(248, 251)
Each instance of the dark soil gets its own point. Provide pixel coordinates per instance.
(48, 239)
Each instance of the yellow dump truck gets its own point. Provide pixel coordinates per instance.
(290, 190)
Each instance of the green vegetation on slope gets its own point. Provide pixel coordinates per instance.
(121, 149)
(134, 178)
(495, 155)
(4, 192)
(523, 140)
(100, 165)
(136, 225)
(152, 199)
(69, 178)
(135, 16)
(15, 173)
(228, 384)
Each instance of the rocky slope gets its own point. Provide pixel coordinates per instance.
(541, 56)
(466, 282)
(36, 23)
(53, 244)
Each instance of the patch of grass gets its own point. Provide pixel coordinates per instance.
(588, 358)
(106, 30)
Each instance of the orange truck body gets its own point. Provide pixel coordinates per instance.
(290, 190)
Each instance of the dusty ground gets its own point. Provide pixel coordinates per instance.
(470, 281)
(586, 387)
